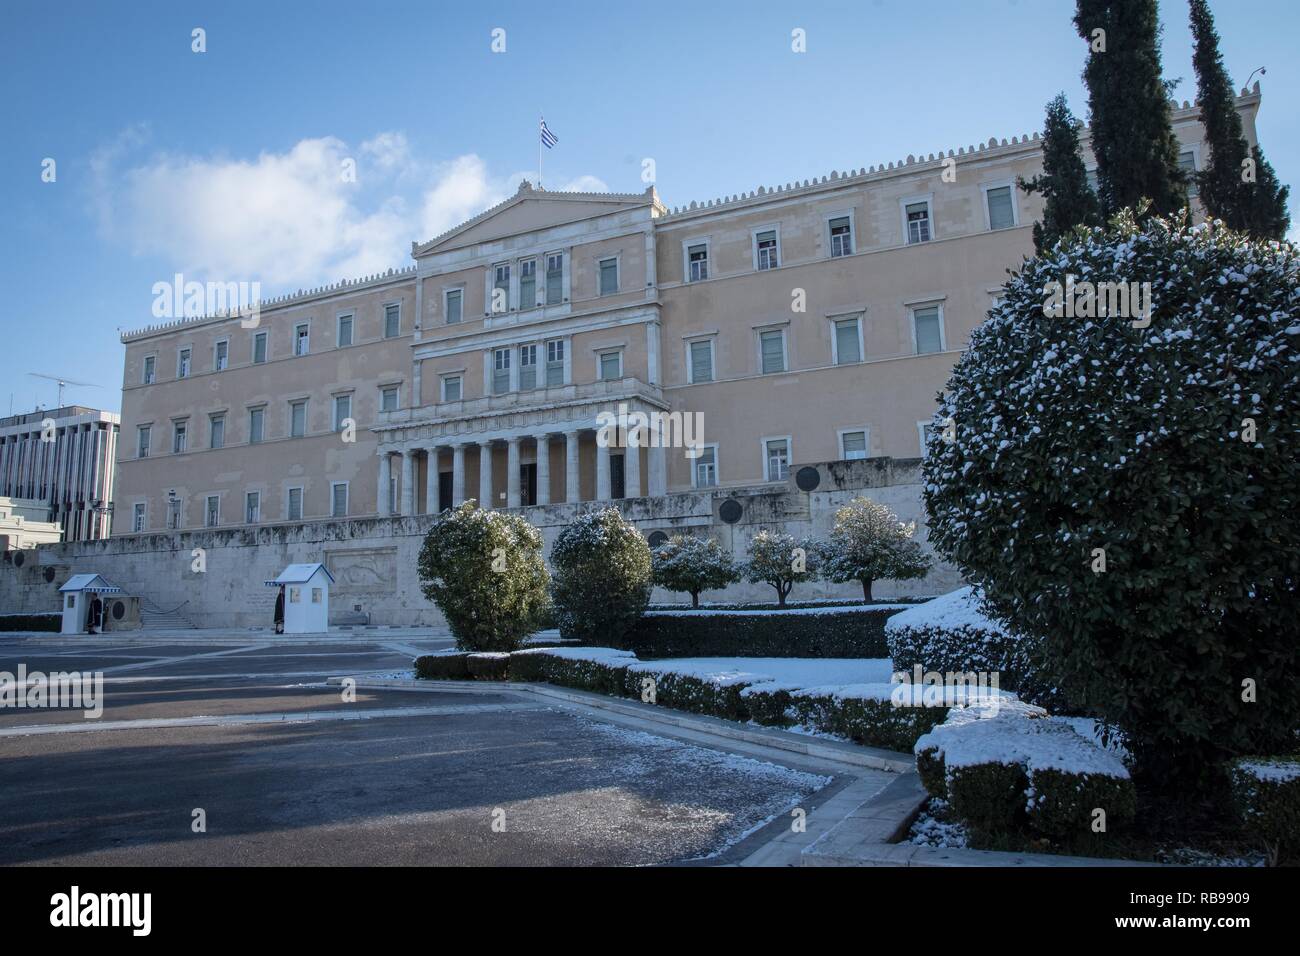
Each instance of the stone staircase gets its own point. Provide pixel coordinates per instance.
(155, 618)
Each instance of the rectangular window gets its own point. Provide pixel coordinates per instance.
(555, 363)
(295, 504)
(697, 263)
(929, 333)
(702, 361)
(778, 459)
(212, 513)
(451, 390)
(555, 278)
(339, 499)
(528, 283)
(500, 371)
(345, 330)
(301, 339)
(501, 288)
(1187, 163)
(765, 252)
(142, 441)
(256, 425)
(455, 306)
(137, 519)
(150, 365)
(392, 321)
(527, 366)
(918, 222)
(611, 366)
(259, 348)
(183, 364)
(388, 399)
(253, 507)
(217, 431)
(179, 436)
(706, 467)
(297, 419)
(841, 237)
(342, 411)
(853, 445)
(848, 343)
(608, 276)
(220, 355)
(1001, 213)
(772, 349)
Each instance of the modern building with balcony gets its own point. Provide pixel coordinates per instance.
(811, 322)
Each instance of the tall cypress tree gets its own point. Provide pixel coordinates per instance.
(1132, 130)
(1228, 193)
(1068, 199)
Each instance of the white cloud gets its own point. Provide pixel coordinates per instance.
(291, 219)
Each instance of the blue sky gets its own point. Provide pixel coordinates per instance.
(225, 164)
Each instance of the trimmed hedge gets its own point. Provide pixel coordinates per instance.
(803, 633)
(488, 666)
(31, 622)
(874, 722)
(453, 666)
(1266, 794)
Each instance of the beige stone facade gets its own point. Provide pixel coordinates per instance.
(807, 323)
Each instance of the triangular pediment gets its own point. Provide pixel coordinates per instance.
(532, 210)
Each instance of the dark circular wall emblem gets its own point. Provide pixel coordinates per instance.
(119, 610)
(658, 539)
(730, 511)
(807, 478)
(48, 574)
(18, 559)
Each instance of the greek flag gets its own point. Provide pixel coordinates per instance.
(549, 139)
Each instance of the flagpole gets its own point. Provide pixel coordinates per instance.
(540, 120)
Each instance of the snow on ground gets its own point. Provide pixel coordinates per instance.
(934, 827)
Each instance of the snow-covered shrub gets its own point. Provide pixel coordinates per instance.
(864, 713)
(442, 665)
(484, 570)
(1126, 488)
(1266, 794)
(602, 577)
(1004, 764)
(598, 669)
(690, 564)
(492, 665)
(953, 634)
(810, 632)
(868, 543)
(778, 559)
(715, 694)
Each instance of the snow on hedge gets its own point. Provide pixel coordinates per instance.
(597, 655)
(827, 609)
(772, 673)
(954, 611)
(1270, 771)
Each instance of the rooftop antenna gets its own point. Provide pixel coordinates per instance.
(63, 381)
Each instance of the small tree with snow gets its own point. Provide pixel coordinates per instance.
(484, 570)
(602, 577)
(779, 560)
(1126, 487)
(690, 564)
(868, 543)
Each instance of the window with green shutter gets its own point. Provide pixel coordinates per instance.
(848, 345)
(772, 347)
(702, 361)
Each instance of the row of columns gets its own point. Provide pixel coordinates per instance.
(514, 497)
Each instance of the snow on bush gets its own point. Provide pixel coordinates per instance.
(779, 560)
(1126, 489)
(1266, 794)
(1004, 763)
(484, 571)
(602, 576)
(685, 563)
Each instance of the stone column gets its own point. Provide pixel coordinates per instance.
(658, 470)
(385, 479)
(543, 469)
(632, 462)
(485, 475)
(408, 482)
(457, 475)
(572, 485)
(603, 490)
(431, 481)
(513, 499)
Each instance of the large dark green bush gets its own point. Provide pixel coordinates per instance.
(1266, 796)
(1129, 496)
(602, 577)
(484, 570)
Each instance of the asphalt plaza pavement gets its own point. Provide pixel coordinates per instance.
(283, 770)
